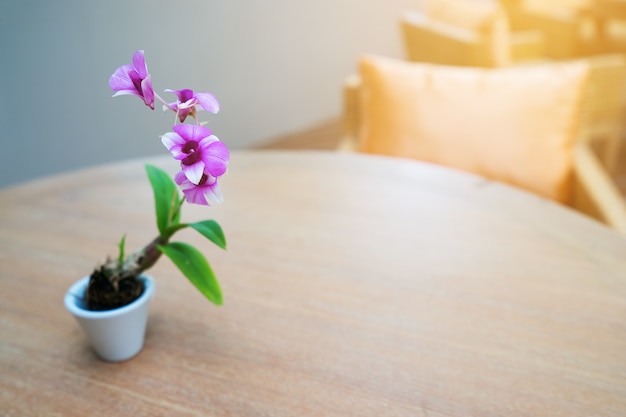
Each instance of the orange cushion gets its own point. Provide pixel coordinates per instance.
(516, 125)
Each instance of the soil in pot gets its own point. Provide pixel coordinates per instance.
(102, 294)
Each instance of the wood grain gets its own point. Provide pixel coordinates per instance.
(354, 286)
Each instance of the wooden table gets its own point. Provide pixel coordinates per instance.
(354, 286)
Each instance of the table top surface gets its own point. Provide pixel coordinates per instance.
(354, 285)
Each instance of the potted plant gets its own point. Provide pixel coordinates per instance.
(111, 304)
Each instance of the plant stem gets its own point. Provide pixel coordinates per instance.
(137, 262)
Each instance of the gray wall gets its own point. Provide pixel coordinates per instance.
(275, 65)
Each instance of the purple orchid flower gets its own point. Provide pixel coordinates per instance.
(134, 79)
(205, 193)
(200, 152)
(188, 101)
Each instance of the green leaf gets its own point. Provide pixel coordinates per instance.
(212, 231)
(179, 204)
(165, 197)
(196, 268)
(122, 246)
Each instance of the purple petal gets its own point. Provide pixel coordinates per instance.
(192, 132)
(185, 94)
(208, 102)
(174, 143)
(120, 80)
(148, 92)
(139, 62)
(180, 93)
(213, 194)
(181, 179)
(215, 155)
(194, 171)
(196, 196)
(183, 113)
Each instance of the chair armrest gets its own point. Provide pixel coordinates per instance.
(604, 107)
(598, 194)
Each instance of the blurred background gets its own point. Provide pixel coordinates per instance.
(279, 68)
(276, 66)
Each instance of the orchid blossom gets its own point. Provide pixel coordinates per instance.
(206, 192)
(134, 79)
(188, 101)
(199, 151)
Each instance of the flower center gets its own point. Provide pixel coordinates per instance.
(136, 79)
(191, 149)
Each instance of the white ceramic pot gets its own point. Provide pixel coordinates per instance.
(116, 335)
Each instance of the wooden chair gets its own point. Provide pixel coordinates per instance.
(601, 141)
(567, 26)
(467, 33)
(609, 18)
(593, 190)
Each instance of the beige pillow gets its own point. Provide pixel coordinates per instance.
(516, 125)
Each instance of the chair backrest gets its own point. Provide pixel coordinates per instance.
(474, 15)
(601, 120)
(565, 25)
(466, 33)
